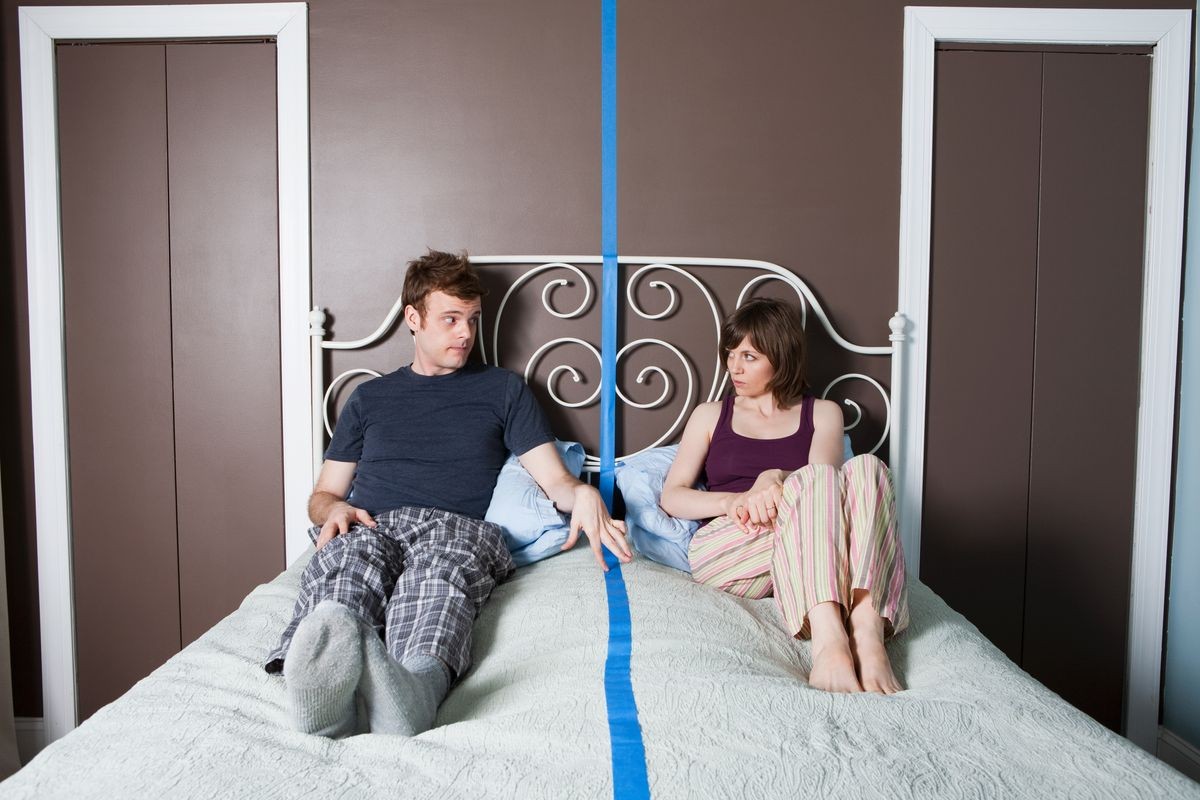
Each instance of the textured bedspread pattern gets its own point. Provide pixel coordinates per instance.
(721, 696)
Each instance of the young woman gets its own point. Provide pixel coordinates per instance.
(787, 518)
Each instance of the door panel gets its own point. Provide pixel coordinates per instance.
(983, 272)
(116, 295)
(171, 289)
(1034, 357)
(225, 308)
(1089, 294)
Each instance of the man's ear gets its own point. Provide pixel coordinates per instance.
(413, 318)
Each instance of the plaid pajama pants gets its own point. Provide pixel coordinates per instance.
(419, 578)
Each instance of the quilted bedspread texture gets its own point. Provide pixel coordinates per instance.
(721, 695)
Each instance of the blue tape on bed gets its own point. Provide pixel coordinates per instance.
(624, 731)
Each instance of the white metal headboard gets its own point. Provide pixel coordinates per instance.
(567, 266)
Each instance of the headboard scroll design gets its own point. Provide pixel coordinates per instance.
(566, 272)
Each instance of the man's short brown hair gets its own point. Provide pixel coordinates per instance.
(776, 330)
(436, 271)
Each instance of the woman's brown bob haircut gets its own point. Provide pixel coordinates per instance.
(775, 330)
(440, 272)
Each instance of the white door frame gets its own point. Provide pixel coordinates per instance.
(39, 29)
(1169, 32)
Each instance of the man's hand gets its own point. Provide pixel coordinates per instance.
(568, 493)
(755, 509)
(589, 515)
(327, 506)
(342, 516)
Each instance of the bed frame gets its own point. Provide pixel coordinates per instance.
(563, 271)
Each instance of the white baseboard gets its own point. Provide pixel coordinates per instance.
(31, 737)
(1180, 754)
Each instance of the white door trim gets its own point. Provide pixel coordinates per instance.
(1169, 32)
(39, 29)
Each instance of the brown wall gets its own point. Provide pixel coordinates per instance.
(770, 131)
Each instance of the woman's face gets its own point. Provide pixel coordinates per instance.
(749, 369)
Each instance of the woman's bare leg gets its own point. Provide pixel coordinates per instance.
(833, 663)
(867, 630)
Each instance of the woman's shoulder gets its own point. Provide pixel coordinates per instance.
(827, 414)
(707, 410)
(705, 417)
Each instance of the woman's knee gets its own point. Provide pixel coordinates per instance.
(868, 468)
(866, 461)
(810, 475)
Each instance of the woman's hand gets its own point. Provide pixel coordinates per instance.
(755, 509)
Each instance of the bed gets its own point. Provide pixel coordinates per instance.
(720, 690)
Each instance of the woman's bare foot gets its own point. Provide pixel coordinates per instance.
(866, 641)
(833, 669)
(833, 664)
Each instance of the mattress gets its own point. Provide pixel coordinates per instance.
(721, 697)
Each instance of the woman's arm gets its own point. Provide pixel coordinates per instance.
(679, 499)
(827, 434)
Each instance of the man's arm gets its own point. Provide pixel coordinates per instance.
(570, 494)
(327, 506)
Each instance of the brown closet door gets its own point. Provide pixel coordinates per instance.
(172, 315)
(117, 307)
(1083, 459)
(225, 305)
(1034, 358)
(983, 282)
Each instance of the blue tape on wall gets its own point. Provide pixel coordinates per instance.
(630, 781)
(608, 217)
(608, 384)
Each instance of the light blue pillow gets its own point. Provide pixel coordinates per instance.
(533, 528)
(654, 534)
(847, 452)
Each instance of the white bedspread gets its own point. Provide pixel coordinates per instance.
(724, 709)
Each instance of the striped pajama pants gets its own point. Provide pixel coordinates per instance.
(835, 532)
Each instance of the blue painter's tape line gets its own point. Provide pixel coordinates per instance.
(608, 382)
(608, 127)
(608, 217)
(630, 781)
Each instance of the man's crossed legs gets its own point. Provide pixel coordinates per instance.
(386, 613)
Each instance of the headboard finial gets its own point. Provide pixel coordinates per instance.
(316, 322)
(898, 323)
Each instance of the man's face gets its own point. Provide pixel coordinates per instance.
(445, 334)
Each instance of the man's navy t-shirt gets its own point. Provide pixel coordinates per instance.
(435, 441)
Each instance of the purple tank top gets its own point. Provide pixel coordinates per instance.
(734, 461)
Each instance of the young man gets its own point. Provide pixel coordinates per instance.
(404, 559)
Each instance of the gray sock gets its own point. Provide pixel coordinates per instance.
(400, 699)
(322, 670)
